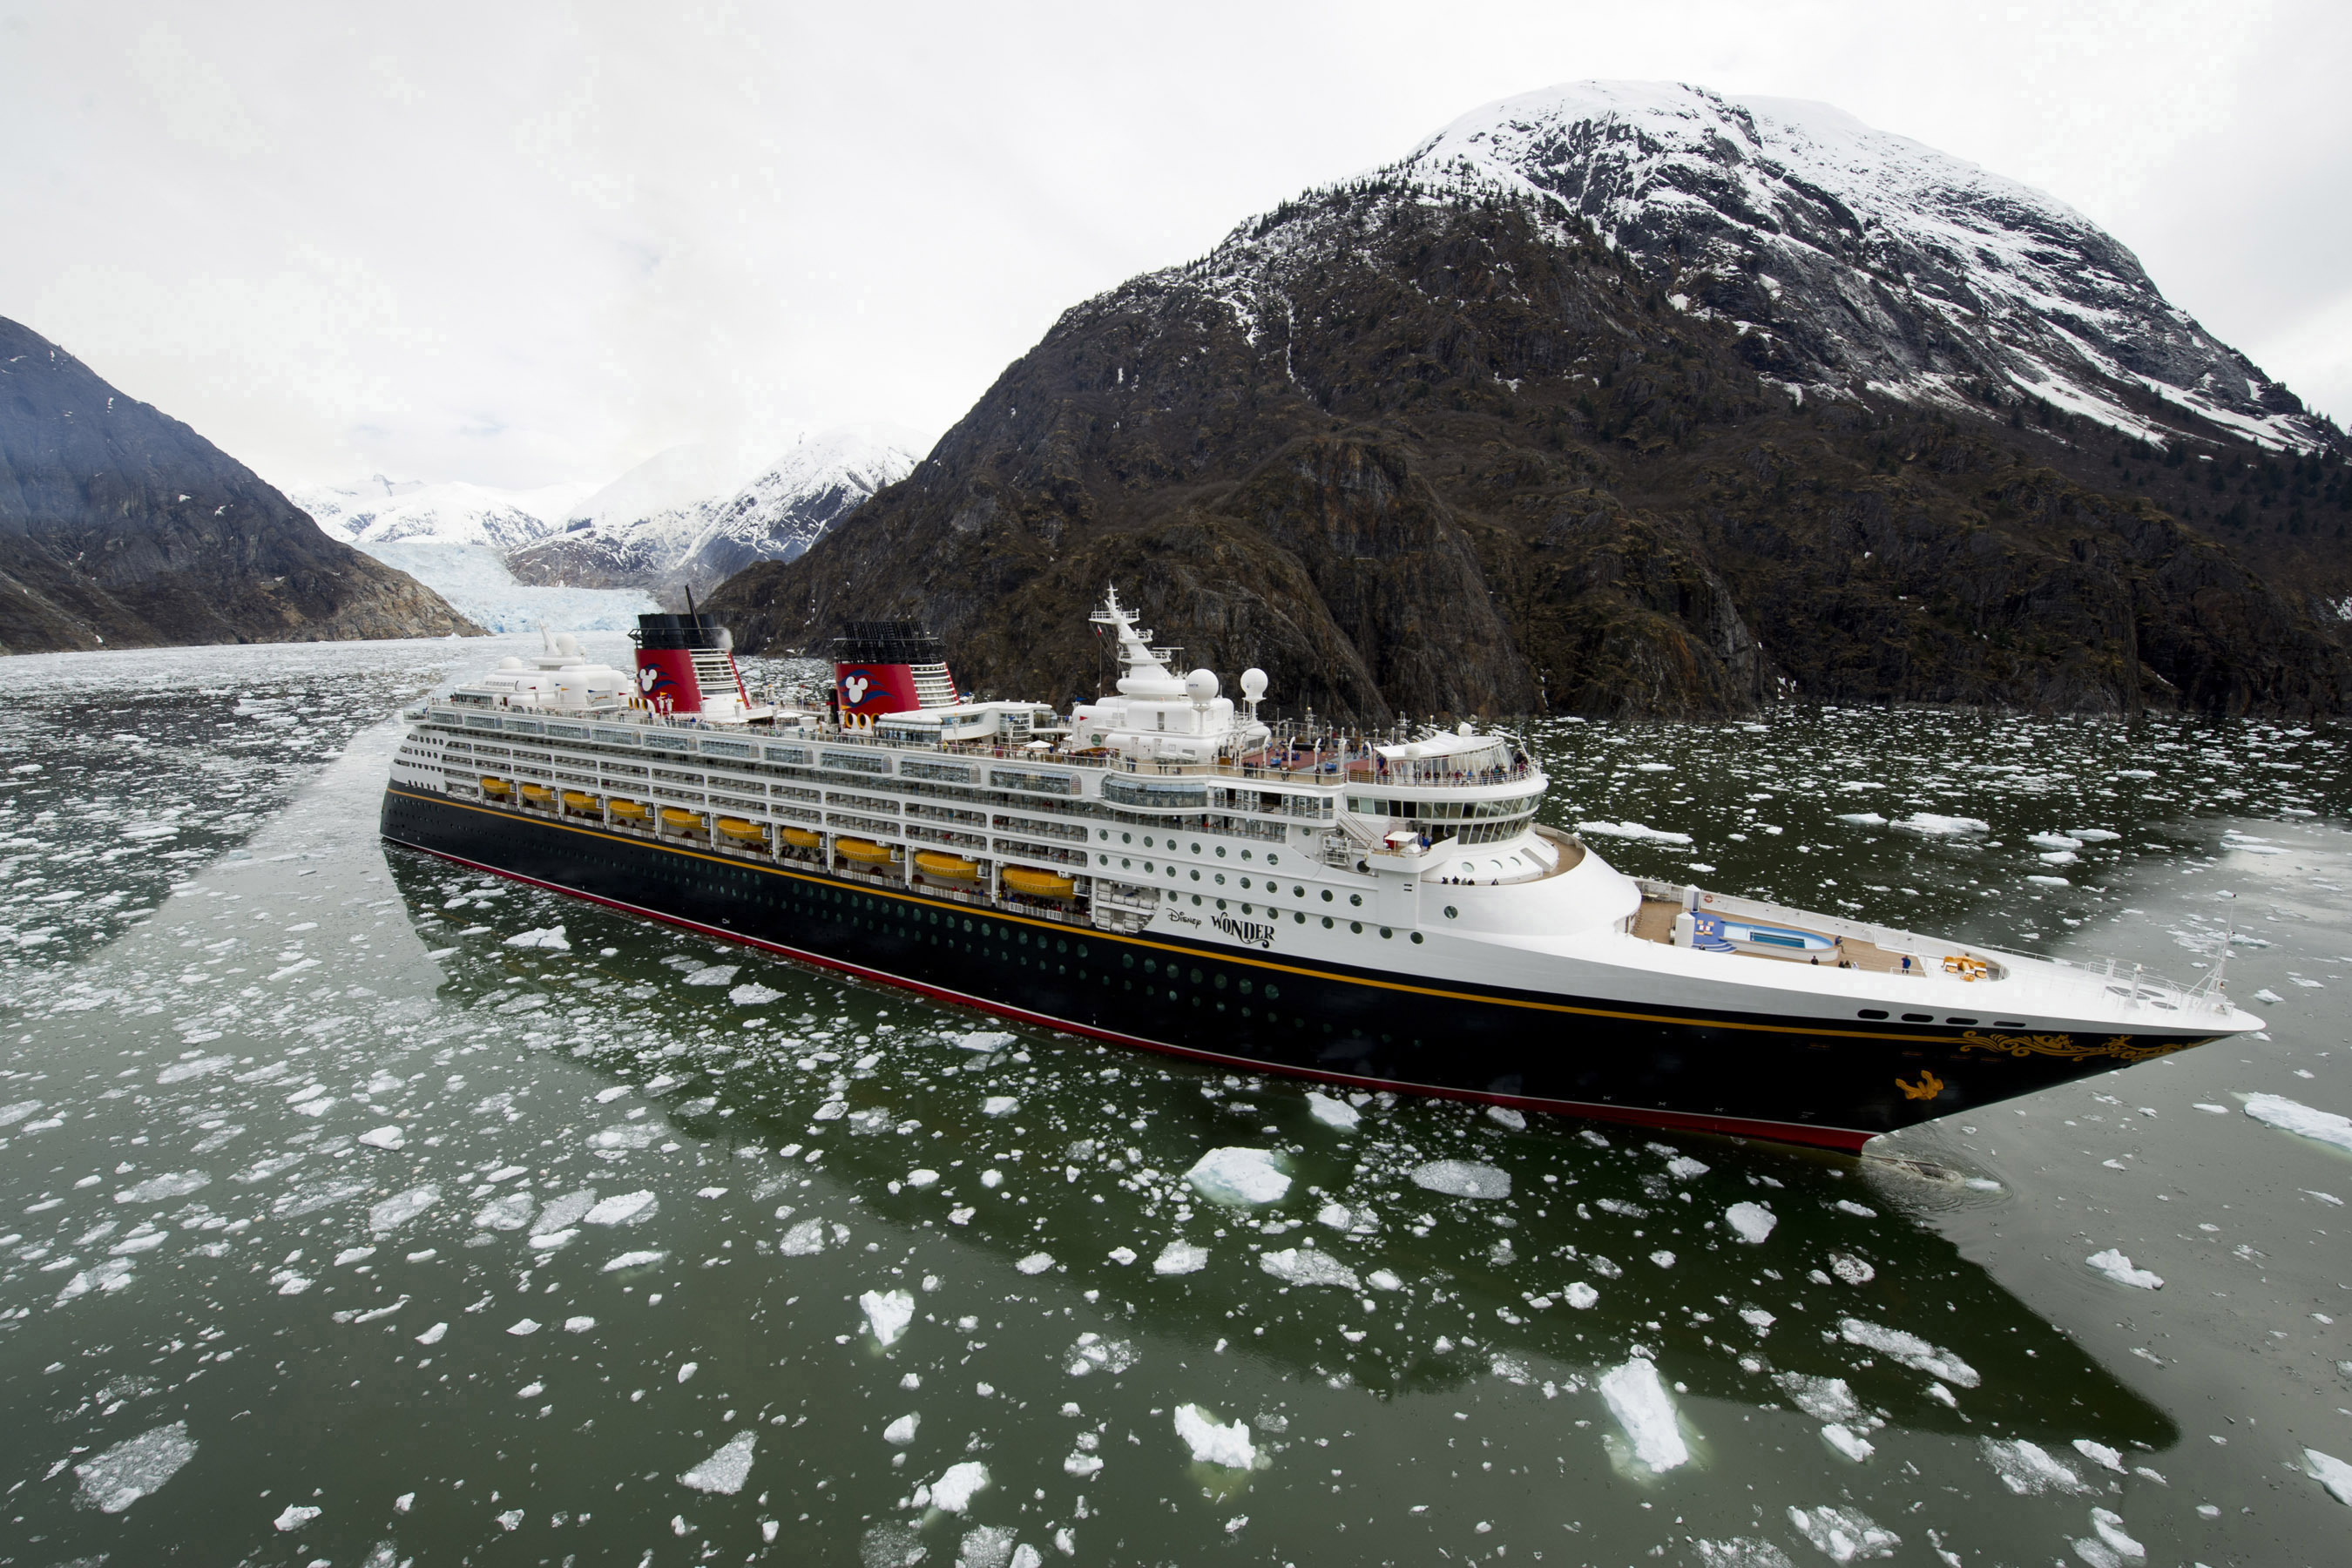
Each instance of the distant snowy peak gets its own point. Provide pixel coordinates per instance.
(650, 529)
(378, 511)
(1851, 259)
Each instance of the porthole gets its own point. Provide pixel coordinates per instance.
(1416, 936)
(1297, 892)
(1126, 960)
(1221, 878)
(1356, 926)
(1127, 865)
(1327, 922)
(1452, 913)
(1326, 895)
(1247, 986)
(1196, 876)
(1219, 983)
(1221, 903)
(1273, 991)
(1919, 1018)
(1220, 851)
(1273, 859)
(1102, 833)
(1147, 841)
(1102, 859)
(1150, 966)
(1194, 977)
(1127, 838)
(1386, 933)
(1299, 916)
(1246, 854)
(1245, 881)
(1196, 849)
(1356, 900)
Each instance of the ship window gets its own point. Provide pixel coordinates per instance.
(1220, 851)
(1452, 913)
(1246, 854)
(1150, 966)
(1327, 922)
(1195, 977)
(1271, 860)
(1326, 895)
(1196, 849)
(1245, 881)
(1356, 926)
(1919, 1018)
(1386, 933)
(1299, 916)
(1127, 838)
(1220, 982)
(1416, 936)
(1196, 876)
(1248, 987)
(1273, 991)
(1126, 960)
(1959, 1020)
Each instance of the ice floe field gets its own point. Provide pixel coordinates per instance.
(358, 1210)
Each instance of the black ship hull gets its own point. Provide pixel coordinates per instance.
(1589, 1057)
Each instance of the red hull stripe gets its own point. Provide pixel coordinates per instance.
(1847, 1140)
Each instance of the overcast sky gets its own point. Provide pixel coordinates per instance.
(521, 243)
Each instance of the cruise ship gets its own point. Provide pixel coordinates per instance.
(1165, 868)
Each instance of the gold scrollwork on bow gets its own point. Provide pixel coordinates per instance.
(2066, 1045)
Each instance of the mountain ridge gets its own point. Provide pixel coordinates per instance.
(121, 526)
(1431, 441)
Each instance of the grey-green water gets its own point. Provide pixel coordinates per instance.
(321, 1192)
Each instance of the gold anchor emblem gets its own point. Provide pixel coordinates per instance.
(1928, 1087)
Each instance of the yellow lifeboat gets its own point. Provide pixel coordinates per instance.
(936, 863)
(748, 832)
(538, 794)
(800, 838)
(494, 786)
(863, 849)
(683, 821)
(575, 801)
(1041, 884)
(629, 811)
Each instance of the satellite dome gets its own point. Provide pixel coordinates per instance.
(510, 662)
(1252, 683)
(1201, 684)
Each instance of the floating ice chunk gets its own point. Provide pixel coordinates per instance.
(1860, 1211)
(1759, 1320)
(1683, 1168)
(136, 1467)
(1581, 1296)
(2053, 841)
(2118, 1267)
(1646, 1411)
(1305, 1266)
(12, 1114)
(1842, 1534)
(295, 1517)
(982, 1041)
(2266, 994)
(748, 994)
(561, 1213)
(921, 1178)
(388, 1136)
(831, 1111)
(170, 1184)
(2287, 1116)
(1634, 830)
(2058, 857)
(578, 1325)
(1504, 1116)
(1383, 1280)
(2330, 1472)
(888, 1313)
(1180, 1258)
(901, 1432)
(105, 1279)
(1862, 818)
(1332, 1113)
(1661, 1258)
(1929, 822)
(1849, 1442)
(1335, 1215)
(1082, 1464)
(713, 974)
(1093, 1353)
(1212, 1444)
(433, 1335)
(2213, 1110)
(1035, 1263)
(2027, 1469)
(803, 1239)
(627, 1135)
(631, 1260)
(2113, 1547)
(1237, 1176)
(521, 1327)
(552, 938)
(1822, 1398)
(1910, 1350)
(999, 1105)
(958, 1485)
(2050, 882)
(1852, 1270)
(1123, 1256)
(1741, 1552)
(1753, 1222)
(627, 1208)
(2100, 1453)
(726, 1470)
(180, 1072)
(2095, 835)
(512, 1212)
(1463, 1179)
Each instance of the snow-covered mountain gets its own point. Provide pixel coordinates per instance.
(681, 519)
(1857, 260)
(379, 511)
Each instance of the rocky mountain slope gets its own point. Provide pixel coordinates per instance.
(121, 527)
(1631, 400)
(661, 527)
